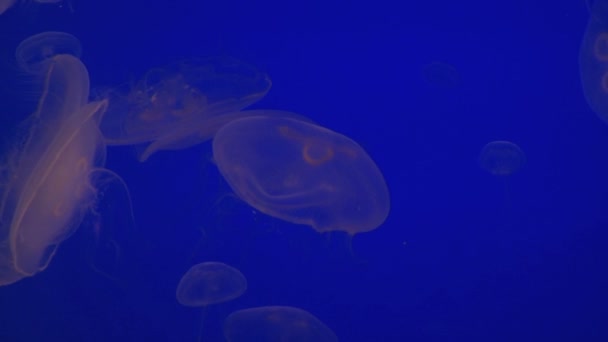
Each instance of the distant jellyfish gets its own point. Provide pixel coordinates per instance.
(183, 104)
(593, 60)
(210, 283)
(501, 158)
(276, 324)
(302, 173)
(38, 48)
(47, 185)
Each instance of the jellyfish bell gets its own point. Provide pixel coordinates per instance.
(48, 186)
(33, 51)
(276, 323)
(501, 158)
(182, 105)
(210, 283)
(302, 173)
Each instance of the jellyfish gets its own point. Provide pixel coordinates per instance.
(33, 51)
(593, 60)
(48, 183)
(302, 173)
(210, 283)
(501, 158)
(182, 105)
(276, 323)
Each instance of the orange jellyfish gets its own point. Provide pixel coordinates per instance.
(593, 60)
(210, 283)
(302, 173)
(182, 105)
(48, 185)
(275, 324)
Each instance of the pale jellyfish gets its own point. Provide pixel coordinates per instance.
(276, 324)
(182, 105)
(47, 184)
(593, 59)
(302, 173)
(210, 283)
(501, 158)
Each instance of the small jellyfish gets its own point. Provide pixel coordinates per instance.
(182, 105)
(501, 158)
(210, 283)
(34, 50)
(302, 173)
(593, 59)
(47, 185)
(276, 323)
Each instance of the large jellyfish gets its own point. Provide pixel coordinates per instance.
(47, 184)
(182, 105)
(302, 173)
(276, 323)
(593, 59)
(210, 283)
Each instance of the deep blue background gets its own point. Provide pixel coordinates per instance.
(457, 260)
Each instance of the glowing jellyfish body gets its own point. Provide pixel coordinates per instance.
(210, 283)
(48, 185)
(501, 158)
(181, 106)
(302, 173)
(276, 323)
(593, 59)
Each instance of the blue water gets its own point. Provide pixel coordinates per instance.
(463, 256)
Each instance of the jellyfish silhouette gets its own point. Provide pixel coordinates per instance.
(302, 173)
(276, 324)
(210, 283)
(47, 184)
(181, 105)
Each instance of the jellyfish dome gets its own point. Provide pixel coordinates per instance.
(302, 173)
(275, 324)
(47, 188)
(210, 283)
